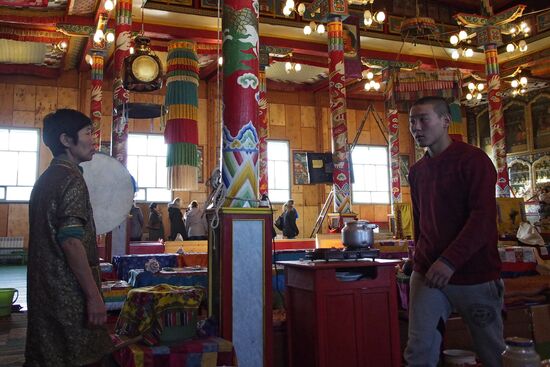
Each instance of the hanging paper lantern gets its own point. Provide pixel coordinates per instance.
(182, 102)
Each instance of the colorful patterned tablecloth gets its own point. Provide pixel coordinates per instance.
(125, 263)
(148, 311)
(208, 352)
(114, 294)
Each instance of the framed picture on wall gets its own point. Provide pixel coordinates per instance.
(404, 164)
(299, 168)
(200, 164)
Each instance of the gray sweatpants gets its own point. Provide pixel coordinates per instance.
(479, 305)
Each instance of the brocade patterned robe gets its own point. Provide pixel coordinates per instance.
(57, 332)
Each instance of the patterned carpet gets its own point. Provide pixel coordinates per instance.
(13, 331)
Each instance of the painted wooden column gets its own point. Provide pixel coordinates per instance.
(123, 29)
(262, 121)
(241, 89)
(393, 128)
(337, 94)
(96, 97)
(496, 120)
(182, 100)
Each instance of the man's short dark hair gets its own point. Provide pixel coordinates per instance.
(440, 105)
(63, 121)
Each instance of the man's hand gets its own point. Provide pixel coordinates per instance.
(97, 313)
(438, 274)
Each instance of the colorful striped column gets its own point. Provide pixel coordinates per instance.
(123, 34)
(337, 93)
(182, 100)
(96, 97)
(262, 121)
(496, 120)
(241, 93)
(393, 127)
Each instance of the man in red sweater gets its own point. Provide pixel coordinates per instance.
(456, 261)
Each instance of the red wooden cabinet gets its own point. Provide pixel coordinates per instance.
(333, 323)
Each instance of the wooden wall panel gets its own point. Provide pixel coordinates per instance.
(201, 121)
(46, 102)
(23, 118)
(293, 117)
(4, 209)
(18, 224)
(24, 97)
(6, 103)
(307, 118)
(277, 132)
(351, 125)
(309, 139)
(68, 98)
(277, 114)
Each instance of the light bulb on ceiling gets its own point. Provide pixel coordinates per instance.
(376, 86)
(455, 55)
(522, 45)
(526, 30)
(523, 81)
(320, 29)
(220, 60)
(522, 25)
(522, 90)
(380, 16)
(110, 37)
(479, 96)
(469, 52)
(372, 83)
(301, 9)
(462, 35)
(368, 22)
(513, 29)
(510, 47)
(109, 5)
(471, 86)
(480, 87)
(367, 86)
(290, 4)
(63, 45)
(515, 83)
(307, 30)
(297, 67)
(288, 66)
(453, 40)
(89, 59)
(370, 75)
(98, 36)
(469, 96)
(132, 50)
(286, 11)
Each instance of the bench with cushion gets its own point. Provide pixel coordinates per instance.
(13, 248)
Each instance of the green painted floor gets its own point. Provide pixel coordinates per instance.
(15, 276)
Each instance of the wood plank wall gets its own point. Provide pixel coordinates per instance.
(300, 118)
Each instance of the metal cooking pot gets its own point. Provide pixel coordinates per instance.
(358, 233)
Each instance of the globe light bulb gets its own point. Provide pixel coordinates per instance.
(510, 47)
(220, 60)
(98, 36)
(469, 96)
(469, 52)
(376, 86)
(132, 50)
(367, 86)
(453, 40)
(301, 9)
(307, 30)
(526, 30)
(455, 55)
(320, 29)
(522, 45)
(522, 25)
(109, 5)
(515, 83)
(479, 96)
(63, 45)
(110, 37)
(462, 35)
(89, 59)
(290, 4)
(523, 81)
(480, 87)
(522, 90)
(513, 29)
(368, 22)
(286, 11)
(471, 86)
(288, 66)
(370, 75)
(380, 17)
(298, 67)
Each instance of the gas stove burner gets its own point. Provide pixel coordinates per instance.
(348, 253)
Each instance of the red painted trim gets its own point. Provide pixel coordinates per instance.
(35, 70)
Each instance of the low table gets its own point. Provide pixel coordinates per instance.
(177, 276)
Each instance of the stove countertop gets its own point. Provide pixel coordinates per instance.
(340, 263)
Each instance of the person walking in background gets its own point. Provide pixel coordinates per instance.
(195, 220)
(66, 314)
(456, 261)
(289, 216)
(136, 223)
(156, 229)
(176, 220)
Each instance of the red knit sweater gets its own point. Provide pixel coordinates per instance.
(454, 209)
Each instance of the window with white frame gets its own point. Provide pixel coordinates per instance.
(147, 164)
(19, 153)
(371, 175)
(278, 170)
